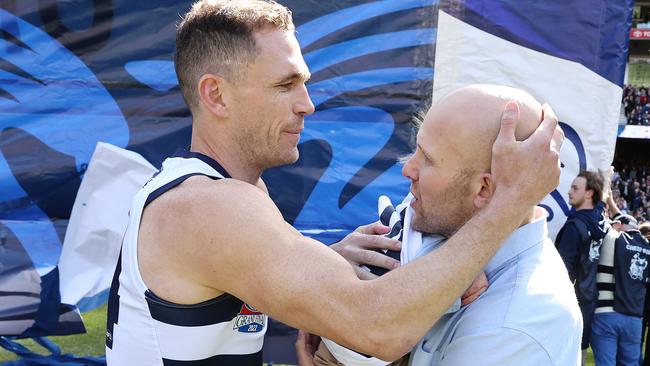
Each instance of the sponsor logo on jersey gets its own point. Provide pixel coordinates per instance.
(249, 320)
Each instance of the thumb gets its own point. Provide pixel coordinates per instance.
(509, 120)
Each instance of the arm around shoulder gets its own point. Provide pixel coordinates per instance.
(245, 248)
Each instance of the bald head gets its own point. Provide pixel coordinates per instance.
(468, 119)
(450, 170)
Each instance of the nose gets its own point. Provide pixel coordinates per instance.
(409, 170)
(304, 105)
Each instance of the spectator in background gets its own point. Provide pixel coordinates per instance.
(622, 276)
(579, 241)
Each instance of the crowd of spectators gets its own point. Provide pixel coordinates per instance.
(631, 191)
(636, 104)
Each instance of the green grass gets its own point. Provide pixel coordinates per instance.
(92, 343)
(88, 344)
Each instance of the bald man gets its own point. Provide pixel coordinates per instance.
(529, 314)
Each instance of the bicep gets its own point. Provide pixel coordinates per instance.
(256, 256)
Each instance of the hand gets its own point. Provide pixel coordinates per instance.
(358, 247)
(306, 346)
(475, 290)
(525, 172)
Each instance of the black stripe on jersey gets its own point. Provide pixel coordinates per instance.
(218, 310)
(253, 359)
(402, 215)
(394, 230)
(385, 216)
(181, 153)
(378, 271)
(605, 269)
(604, 303)
(113, 313)
(166, 187)
(603, 286)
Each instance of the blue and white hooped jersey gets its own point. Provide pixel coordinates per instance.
(143, 329)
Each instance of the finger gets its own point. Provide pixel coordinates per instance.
(376, 228)
(362, 274)
(372, 258)
(509, 120)
(550, 122)
(468, 299)
(303, 353)
(558, 139)
(301, 340)
(375, 242)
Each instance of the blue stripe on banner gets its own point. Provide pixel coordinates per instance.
(557, 196)
(328, 56)
(39, 239)
(584, 31)
(318, 28)
(571, 135)
(156, 74)
(324, 90)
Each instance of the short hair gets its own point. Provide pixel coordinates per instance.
(217, 36)
(594, 183)
(645, 230)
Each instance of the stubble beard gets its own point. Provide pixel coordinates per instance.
(447, 218)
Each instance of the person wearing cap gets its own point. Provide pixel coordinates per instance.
(622, 275)
(579, 241)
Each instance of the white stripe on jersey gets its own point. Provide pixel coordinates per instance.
(192, 343)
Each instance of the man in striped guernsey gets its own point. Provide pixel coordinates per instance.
(207, 253)
(622, 276)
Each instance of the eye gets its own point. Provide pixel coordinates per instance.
(286, 86)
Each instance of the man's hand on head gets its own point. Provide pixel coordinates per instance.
(358, 248)
(526, 171)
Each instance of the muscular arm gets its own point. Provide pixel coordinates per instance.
(233, 239)
(246, 249)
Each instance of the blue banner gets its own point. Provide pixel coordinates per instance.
(75, 73)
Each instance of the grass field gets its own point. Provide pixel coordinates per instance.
(89, 344)
(92, 343)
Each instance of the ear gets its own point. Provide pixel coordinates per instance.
(484, 190)
(589, 194)
(211, 88)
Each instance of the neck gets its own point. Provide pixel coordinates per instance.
(587, 205)
(532, 215)
(221, 147)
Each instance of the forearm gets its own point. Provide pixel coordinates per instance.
(412, 298)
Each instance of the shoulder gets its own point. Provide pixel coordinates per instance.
(534, 297)
(199, 196)
(205, 211)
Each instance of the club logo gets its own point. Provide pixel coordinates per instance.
(637, 266)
